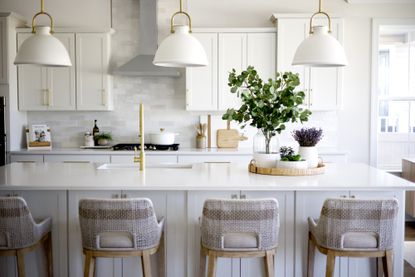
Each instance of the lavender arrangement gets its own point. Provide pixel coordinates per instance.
(307, 137)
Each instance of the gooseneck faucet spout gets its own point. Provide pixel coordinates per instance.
(141, 157)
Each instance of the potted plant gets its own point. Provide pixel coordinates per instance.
(291, 160)
(103, 138)
(307, 138)
(268, 106)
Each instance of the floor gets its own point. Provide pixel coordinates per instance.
(409, 236)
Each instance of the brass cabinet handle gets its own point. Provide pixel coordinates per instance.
(104, 97)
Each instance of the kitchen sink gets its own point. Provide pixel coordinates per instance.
(136, 166)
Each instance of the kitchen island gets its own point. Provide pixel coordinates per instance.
(178, 192)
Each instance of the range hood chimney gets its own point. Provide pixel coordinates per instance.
(142, 65)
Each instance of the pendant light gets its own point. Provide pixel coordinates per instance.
(180, 48)
(320, 49)
(42, 48)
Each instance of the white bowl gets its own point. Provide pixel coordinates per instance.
(303, 164)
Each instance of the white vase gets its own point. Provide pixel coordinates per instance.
(310, 154)
(303, 164)
(266, 160)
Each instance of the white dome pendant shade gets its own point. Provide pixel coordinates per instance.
(180, 49)
(320, 49)
(43, 49)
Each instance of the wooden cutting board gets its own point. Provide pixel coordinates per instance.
(228, 138)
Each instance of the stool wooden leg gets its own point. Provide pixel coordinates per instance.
(87, 266)
(48, 252)
(94, 263)
(379, 267)
(388, 263)
(162, 266)
(20, 263)
(146, 264)
(331, 262)
(212, 265)
(269, 264)
(310, 259)
(202, 262)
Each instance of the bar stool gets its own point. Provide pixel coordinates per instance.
(20, 234)
(120, 228)
(354, 228)
(239, 229)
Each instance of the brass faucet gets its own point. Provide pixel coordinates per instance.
(141, 157)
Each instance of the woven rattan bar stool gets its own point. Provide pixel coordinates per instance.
(239, 229)
(354, 228)
(120, 228)
(20, 234)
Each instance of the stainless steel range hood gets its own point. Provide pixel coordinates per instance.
(142, 65)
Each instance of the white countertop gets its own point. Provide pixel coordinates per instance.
(75, 176)
(181, 151)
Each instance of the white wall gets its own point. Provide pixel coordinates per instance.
(353, 120)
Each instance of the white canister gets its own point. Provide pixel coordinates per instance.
(310, 154)
(266, 160)
(88, 139)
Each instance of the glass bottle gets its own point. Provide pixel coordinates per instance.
(261, 145)
(95, 132)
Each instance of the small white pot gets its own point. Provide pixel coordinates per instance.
(266, 160)
(103, 142)
(303, 164)
(310, 154)
(162, 138)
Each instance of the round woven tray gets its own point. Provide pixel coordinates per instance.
(277, 171)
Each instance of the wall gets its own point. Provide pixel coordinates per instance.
(347, 129)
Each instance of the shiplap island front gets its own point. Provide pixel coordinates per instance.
(178, 193)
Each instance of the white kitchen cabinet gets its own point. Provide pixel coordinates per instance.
(42, 88)
(202, 82)
(284, 265)
(323, 86)
(186, 159)
(195, 200)
(77, 158)
(26, 158)
(92, 61)
(207, 88)
(105, 267)
(150, 160)
(308, 204)
(232, 55)
(43, 204)
(3, 51)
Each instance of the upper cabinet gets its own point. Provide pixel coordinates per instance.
(83, 86)
(323, 86)
(3, 50)
(207, 87)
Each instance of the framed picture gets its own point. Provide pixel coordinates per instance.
(38, 137)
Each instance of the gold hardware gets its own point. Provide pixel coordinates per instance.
(42, 12)
(141, 157)
(320, 11)
(189, 20)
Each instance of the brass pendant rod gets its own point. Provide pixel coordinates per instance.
(42, 12)
(320, 6)
(320, 11)
(189, 20)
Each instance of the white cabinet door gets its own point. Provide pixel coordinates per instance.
(202, 82)
(308, 204)
(284, 265)
(261, 53)
(150, 159)
(77, 158)
(42, 88)
(43, 204)
(3, 51)
(60, 81)
(366, 266)
(105, 267)
(26, 158)
(92, 59)
(232, 55)
(195, 199)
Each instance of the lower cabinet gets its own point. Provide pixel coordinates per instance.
(150, 159)
(53, 204)
(245, 159)
(76, 158)
(26, 158)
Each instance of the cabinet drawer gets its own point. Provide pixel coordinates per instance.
(26, 158)
(245, 159)
(77, 158)
(150, 159)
